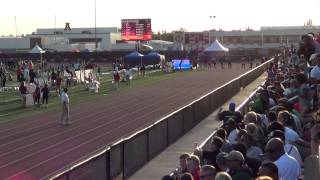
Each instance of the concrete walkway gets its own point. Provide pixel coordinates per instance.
(167, 161)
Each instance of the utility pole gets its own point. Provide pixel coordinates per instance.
(55, 31)
(212, 18)
(15, 24)
(95, 25)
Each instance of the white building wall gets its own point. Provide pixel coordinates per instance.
(15, 43)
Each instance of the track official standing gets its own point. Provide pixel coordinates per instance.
(65, 119)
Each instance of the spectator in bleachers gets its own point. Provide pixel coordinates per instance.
(290, 149)
(291, 114)
(272, 116)
(256, 126)
(182, 164)
(305, 95)
(315, 139)
(231, 127)
(281, 110)
(226, 147)
(167, 177)
(193, 165)
(186, 176)
(269, 169)
(306, 47)
(252, 163)
(237, 166)
(275, 126)
(211, 152)
(291, 135)
(240, 134)
(252, 150)
(315, 72)
(230, 113)
(250, 117)
(221, 162)
(289, 168)
(263, 178)
(207, 172)
(223, 176)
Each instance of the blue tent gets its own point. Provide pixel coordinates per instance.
(152, 56)
(134, 58)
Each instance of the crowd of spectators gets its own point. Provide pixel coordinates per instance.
(272, 140)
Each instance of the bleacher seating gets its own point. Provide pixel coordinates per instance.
(291, 93)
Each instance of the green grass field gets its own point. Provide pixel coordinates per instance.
(10, 102)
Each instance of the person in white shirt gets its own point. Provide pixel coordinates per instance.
(289, 168)
(65, 118)
(290, 149)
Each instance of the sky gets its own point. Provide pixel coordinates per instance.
(166, 15)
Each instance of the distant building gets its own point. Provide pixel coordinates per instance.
(266, 38)
(109, 38)
(77, 39)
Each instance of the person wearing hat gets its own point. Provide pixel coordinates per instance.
(230, 113)
(236, 165)
(221, 162)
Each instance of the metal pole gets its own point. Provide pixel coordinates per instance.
(15, 24)
(212, 17)
(55, 31)
(95, 24)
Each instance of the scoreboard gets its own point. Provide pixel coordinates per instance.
(136, 29)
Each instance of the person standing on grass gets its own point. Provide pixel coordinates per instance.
(45, 95)
(36, 95)
(65, 118)
(23, 93)
(116, 80)
(58, 85)
(143, 70)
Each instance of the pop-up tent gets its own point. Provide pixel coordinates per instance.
(38, 50)
(216, 46)
(215, 51)
(134, 58)
(153, 58)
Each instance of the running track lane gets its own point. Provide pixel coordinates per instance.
(35, 147)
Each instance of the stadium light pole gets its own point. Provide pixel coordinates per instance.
(15, 25)
(95, 24)
(212, 18)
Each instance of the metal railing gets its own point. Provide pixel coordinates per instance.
(123, 158)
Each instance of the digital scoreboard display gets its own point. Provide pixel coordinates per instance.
(185, 64)
(136, 29)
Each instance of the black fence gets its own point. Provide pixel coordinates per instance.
(124, 158)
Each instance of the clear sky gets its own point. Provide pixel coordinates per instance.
(165, 14)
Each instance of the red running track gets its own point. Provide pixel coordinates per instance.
(32, 148)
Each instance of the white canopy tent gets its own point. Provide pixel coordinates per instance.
(216, 47)
(37, 50)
